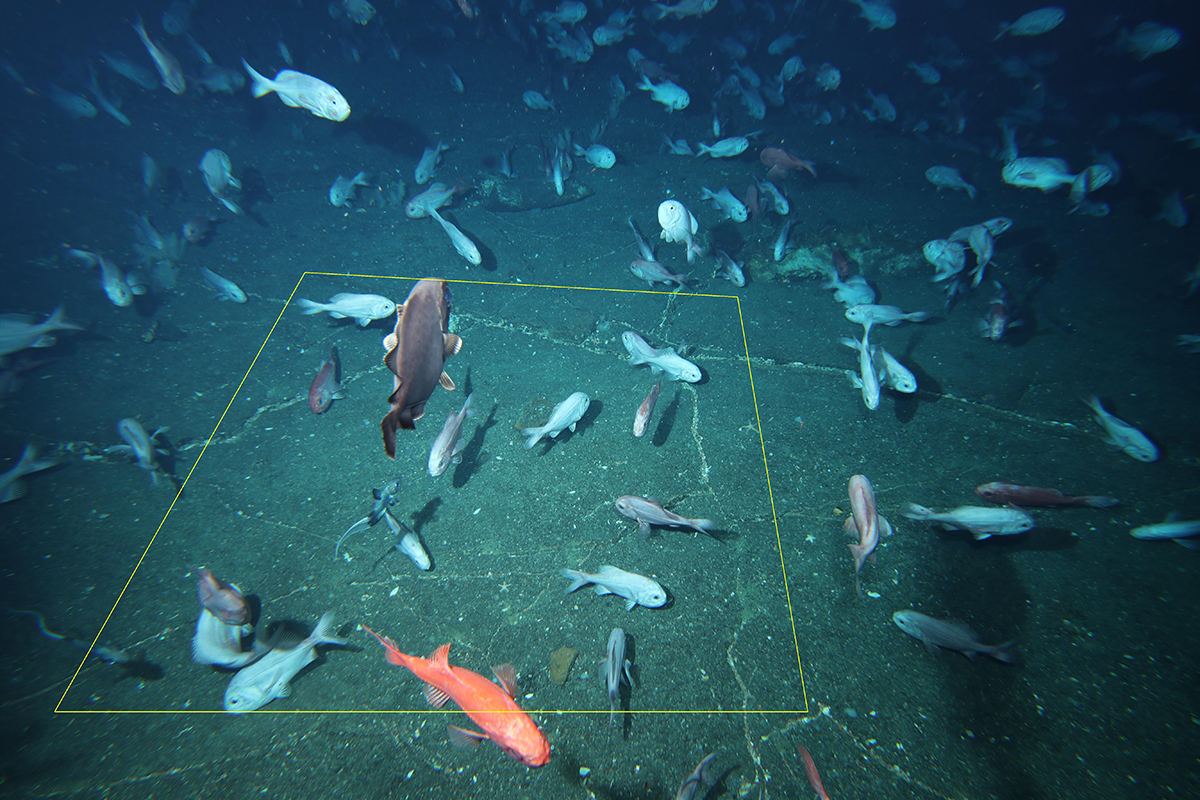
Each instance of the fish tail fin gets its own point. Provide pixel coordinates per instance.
(311, 307)
(259, 85)
(393, 655)
(534, 434)
(704, 525)
(1100, 502)
(577, 578)
(1003, 652)
(389, 426)
(323, 633)
(1092, 402)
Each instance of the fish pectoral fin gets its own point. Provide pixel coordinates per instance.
(389, 342)
(980, 535)
(435, 696)
(451, 344)
(284, 690)
(571, 427)
(446, 382)
(931, 647)
(507, 675)
(630, 603)
(643, 529)
(464, 739)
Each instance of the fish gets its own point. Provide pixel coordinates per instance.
(341, 193)
(298, 90)
(868, 314)
(437, 195)
(729, 269)
(948, 258)
(1034, 23)
(853, 291)
(981, 522)
(616, 668)
(653, 272)
(1181, 531)
(215, 78)
(325, 387)
(384, 498)
(679, 225)
(703, 777)
(949, 178)
(269, 677)
(1122, 435)
(489, 706)
(111, 280)
(1036, 497)
(647, 512)
(217, 170)
(225, 289)
(139, 445)
(1030, 172)
(417, 350)
(670, 94)
(641, 420)
(868, 378)
(665, 361)
(18, 331)
(810, 772)
(197, 229)
(828, 77)
(951, 635)
(359, 11)
(781, 241)
(1174, 211)
(1147, 39)
(220, 644)
(223, 600)
(564, 416)
(879, 15)
(648, 252)
(447, 447)
(167, 64)
(362, 308)
(636, 589)
(726, 148)
(11, 485)
(465, 247)
(102, 101)
(882, 107)
(865, 523)
(895, 375)
(536, 101)
(725, 202)
(927, 72)
(597, 155)
(778, 198)
(428, 163)
(409, 544)
(780, 162)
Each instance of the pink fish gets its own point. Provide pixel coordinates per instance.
(641, 420)
(647, 512)
(223, 599)
(325, 387)
(865, 523)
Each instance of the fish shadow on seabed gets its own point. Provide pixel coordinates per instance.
(666, 420)
(254, 191)
(1036, 540)
(472, 454)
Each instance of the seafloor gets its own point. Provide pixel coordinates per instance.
(1103, 692)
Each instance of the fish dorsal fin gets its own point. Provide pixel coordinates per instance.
(963, 628)
(451, 344)
(441, 656)
(507, 675)
(435, 696)
(447, 382)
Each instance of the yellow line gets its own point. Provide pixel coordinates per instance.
(766, 471)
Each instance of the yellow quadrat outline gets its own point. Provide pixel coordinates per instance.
(547, 712)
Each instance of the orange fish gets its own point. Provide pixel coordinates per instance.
(417, 351)
(488, 705)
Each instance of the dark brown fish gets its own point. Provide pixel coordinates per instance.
(417, 352)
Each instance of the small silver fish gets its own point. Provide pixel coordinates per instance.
(951, 635)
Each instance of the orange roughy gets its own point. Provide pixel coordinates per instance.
(488, 705)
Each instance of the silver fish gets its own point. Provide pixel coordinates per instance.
(260, 683)
(950, 634)
(616, 668)
(636, 589)
(447, 446)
